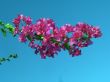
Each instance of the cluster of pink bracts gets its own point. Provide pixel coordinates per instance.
(47, 39)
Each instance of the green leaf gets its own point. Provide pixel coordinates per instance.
(1, 23)
(3, 31)
(29, 37)
(2, 59)
(85, 36)
(15, 56)
(39, 37)
(53, 40)
(10, 56)
(8, 59)
(11, 30)
(67, 46)
(9, 27)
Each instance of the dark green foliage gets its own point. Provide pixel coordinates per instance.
(39, 37)
(67, 46)
(3, 31)
(11, 56)
(29, 37)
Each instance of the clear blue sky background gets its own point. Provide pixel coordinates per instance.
(92, 66)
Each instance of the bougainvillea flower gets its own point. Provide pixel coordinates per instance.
(47, 39)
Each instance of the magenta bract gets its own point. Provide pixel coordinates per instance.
(47, 39)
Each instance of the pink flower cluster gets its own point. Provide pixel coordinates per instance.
(47, 39)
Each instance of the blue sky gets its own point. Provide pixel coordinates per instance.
(92, 66)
